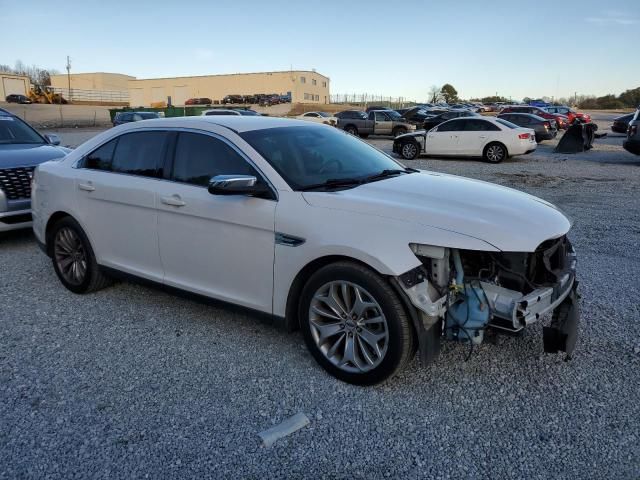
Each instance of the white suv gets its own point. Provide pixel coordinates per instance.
(313, 226)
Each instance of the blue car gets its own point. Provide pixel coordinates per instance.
(21, 150)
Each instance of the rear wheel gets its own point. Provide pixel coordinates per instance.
(351, 129)
(495, 153)
(354, 324)
(399, 131)
(409, 150)
(73, 259)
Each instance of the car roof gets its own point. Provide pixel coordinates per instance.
(237, 123)
(522, 114)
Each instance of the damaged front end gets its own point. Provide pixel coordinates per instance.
(459, 294)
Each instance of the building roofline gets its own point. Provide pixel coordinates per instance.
(92, 73)
(229, 75)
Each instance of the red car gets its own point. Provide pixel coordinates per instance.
(571, 114)
(562, 121)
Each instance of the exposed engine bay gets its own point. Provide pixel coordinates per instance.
(462, 293)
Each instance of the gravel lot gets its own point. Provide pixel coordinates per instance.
(132, 382)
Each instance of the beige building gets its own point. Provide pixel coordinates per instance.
(13, 84)
(303, 86)
(97, 81)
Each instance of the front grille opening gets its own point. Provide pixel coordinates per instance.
(14, 219)
(16, 182)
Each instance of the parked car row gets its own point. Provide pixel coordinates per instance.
(257, 99)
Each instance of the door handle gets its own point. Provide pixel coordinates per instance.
(483, 136)
(174, 201)
(87, 187)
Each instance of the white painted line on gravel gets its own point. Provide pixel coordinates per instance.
(290, 425)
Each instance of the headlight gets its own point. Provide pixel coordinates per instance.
(430, 251)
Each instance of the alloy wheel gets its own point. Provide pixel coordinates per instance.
(70, 256)
(495, 153)
(348, 326)
(409, 151)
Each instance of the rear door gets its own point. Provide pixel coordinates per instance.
(116, 189)
(443, 140)
(477, 133)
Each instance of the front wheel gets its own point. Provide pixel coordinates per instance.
(495, 153)
(409, 150)
(354, 324)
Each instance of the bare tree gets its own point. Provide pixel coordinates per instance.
(434, 94)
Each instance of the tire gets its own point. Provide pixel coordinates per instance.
(70, 244)
(381, 337)
(351, 129)
(399, 131)
(495, 152)
(364, 135)
(409, 150)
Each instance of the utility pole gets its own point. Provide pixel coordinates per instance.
(69, 76)
(575, 98)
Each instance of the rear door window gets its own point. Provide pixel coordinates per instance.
(479, 126)
(140, 153)
(101, 158)
(452, 126)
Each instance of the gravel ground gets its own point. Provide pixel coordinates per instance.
(132, 382)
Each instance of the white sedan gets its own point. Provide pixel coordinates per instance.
(493, 139)
(312, 226)
(319, 117)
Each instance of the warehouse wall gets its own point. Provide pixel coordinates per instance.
(99, 81)
(305, 86)
(10, 84)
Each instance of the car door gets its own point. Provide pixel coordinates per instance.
(443, 139)
(382, 123)
(477, 133)
(214, 245)
(116, 191)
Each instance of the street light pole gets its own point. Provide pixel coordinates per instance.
(69, 76)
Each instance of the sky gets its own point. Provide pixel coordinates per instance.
(392, 48)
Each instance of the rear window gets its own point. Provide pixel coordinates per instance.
(506, 123)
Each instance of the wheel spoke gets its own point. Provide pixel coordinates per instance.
(327, 330)
(360, 305)
(364, 352)
(372, 339)
(334, 348)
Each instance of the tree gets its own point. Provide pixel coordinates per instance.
(630, 98)
(449, 93)
(434, 94)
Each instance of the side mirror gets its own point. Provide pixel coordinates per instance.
(52, 138)
(238, 185)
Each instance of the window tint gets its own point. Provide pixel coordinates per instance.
(200, 157)
(520, 120)
(449, 115)
(140, 153)
(381, 117)
(506, 124)
(480, 126)
(100, 159)
(452, 126)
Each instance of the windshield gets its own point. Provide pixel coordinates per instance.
(393, 114)
(13, 130)
(306, 156)
(147, 115)
(506, 123)
(324, 114)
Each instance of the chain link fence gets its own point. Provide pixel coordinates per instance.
(365, 99)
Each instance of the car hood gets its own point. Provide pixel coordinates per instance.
(26, 155)
(508, 219)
